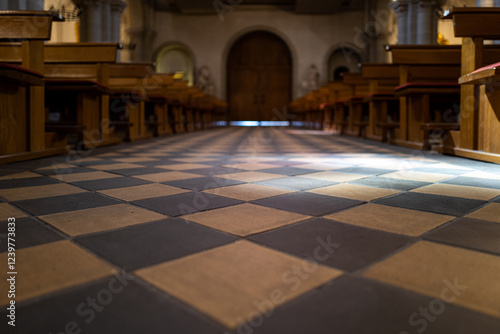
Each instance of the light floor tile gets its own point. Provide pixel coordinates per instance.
(469, 278)
(22, 175)
(62, 165)
(245, 219)
(100, 219)
(251, 166)
(484, 194)
(142, 192)
(59, 189)
(193, 159)
(445, 165)
(167, 176)
(135, 159)
(483, 175)
(417, 176)
(8, 211)
(227, 282)
(250, 176)
(89, 159)
(490, 212)
(335, 176)
(353, 191)
(248, 192)
(391, 219)
(318, 166)
(116, 166)
(90, 176)
(52, 267)
(184, 166)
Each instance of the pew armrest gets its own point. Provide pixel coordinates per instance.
(483, 75)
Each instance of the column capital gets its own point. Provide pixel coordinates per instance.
(400, 6)
(427, 3)
(82, 3)
(118, 5)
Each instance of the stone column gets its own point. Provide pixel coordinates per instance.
(412, 27)
(90, 20)
(34, 4)
(401, 9)
(117, 7)
(105, 20)
(425, 22)
(17, 4)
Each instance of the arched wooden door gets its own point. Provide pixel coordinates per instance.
(259, 77)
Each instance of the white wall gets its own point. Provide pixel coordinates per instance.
(311, 38)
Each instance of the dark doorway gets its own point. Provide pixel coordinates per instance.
(259, 77)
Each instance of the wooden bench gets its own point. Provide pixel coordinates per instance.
(479, 136)
(78, 74)
(128, 99)
(23, 135)
(85, 64)
(383, 104)
(428, 93)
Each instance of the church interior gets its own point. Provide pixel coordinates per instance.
(249, 166)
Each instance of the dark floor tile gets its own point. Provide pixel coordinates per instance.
(308, 203)
(138, 171)
(474, 182)
(72, 202)
(202, 183)
(288, 171)
(284, 163)
(115, 182)
(214, 171)
(389, 183)
(470, 233)
(355, 247)
(103, 161)
(176, 205)
(450, 171)
(29, 232)
(454, 206)
(350, 305)
(149, 244)
(27, 182)
(297, 183)
(365, 170)
(121, 304)
(64, 171)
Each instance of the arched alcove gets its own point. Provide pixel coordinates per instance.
(175, 58)
(343, 60)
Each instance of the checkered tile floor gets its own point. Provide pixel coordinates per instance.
(260, 231)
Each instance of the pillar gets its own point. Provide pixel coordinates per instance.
(90, 20)
(105, 20)
(401, 9)
(425, 31)
(117, 7)
(34, 4)
(412, 28)
(17, 4)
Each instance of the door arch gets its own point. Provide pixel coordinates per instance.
(259, 77)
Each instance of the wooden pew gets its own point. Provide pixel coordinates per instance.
(77, 92)
(383, 104)
(428, 91)
(22, 88)
(479, 136)
(128, 99)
